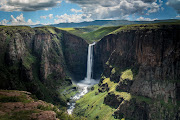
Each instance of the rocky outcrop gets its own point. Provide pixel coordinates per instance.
(20, 105)
(103, 87)
(124, 85)
(113, 100)
(153, 54)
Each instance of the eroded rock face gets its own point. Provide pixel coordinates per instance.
(154, 56)
(20, 102)
(156, 51)
(140, 110)
(40, 58)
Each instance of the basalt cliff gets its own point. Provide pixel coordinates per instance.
(150, 54)
(40, 60)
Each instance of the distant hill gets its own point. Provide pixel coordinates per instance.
(107, 23)
(37, 25)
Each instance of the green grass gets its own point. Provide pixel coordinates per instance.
(28, 60)
(67, 29)
(112, 87)
(4, 99)
(113, 71)
(91, 105)
(143, 99)
(91, 33)
(127, 74)
(160, 25)
(21, 115)
(67, 92)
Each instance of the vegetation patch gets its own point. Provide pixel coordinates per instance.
(91, 33)
(68, 92)
(21, 115)
(143, 99)
(127, 74)
(28, 60)
(22, 98)
(160, 25)
(92, 104)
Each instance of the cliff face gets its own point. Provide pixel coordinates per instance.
(153, 55)
(35, 60)
(75, 53)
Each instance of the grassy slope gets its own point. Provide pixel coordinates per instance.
(91, 33)
(19, 113)
(91, 105)
(146, 26)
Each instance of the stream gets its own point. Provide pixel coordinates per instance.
(83, 88)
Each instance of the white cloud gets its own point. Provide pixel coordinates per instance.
(43, 17)
(106, 9)
(4, 22)
(145, 19)
(75, 10)
(19, 20)
(178, 16)
(27, 5)
(50, 16)
(71, 18)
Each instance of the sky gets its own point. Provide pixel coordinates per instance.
(31, 12)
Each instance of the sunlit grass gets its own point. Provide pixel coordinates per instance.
(92, 104)
(91, 33)
(94, 107)
(127, 74)
(67, 29)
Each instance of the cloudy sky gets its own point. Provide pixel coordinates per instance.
(30, 12)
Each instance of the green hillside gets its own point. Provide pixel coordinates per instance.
(91, 33)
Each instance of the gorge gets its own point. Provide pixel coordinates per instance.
(138, 67)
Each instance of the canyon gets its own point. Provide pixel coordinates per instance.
(138, 67)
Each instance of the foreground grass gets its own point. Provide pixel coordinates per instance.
(92, 104)
(92, 107)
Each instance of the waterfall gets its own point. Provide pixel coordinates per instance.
(84, 84)
(89, 63)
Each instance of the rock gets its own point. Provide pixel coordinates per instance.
(113, 100)
(124, 85)
(92, 88)
(25, 105)
(103, 88)
(45, 115)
